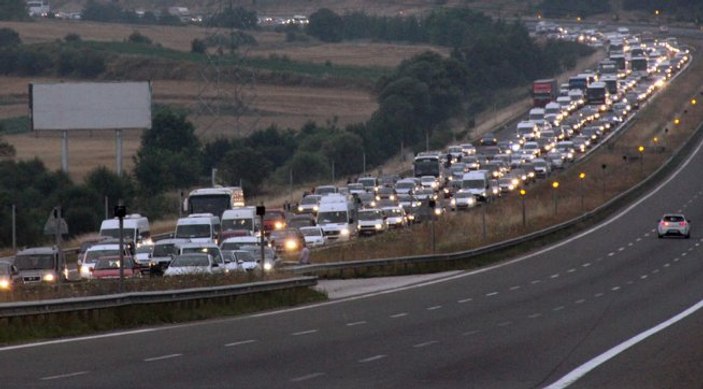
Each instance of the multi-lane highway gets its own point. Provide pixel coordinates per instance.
(562, 314)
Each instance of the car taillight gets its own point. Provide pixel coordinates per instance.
(682, 224)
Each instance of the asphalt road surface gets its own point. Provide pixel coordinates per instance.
(528, 322)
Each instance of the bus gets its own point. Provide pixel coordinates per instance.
(213, 200)
(597, 94)
(428, 164)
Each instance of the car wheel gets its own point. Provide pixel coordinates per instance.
(688, 236)
(659, 236)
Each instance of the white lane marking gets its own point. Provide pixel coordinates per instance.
(599, 295)
(584, 369)
(60, 376)
(638, 239)
(469, 333)
(644, 277)
(630, 244)
(615, 288)
(587, 264)
(684, 254)
(621, 249)
(505, 323)
(534, 282)
(667, 264)
(460, 275)
(306, 332)
(491, 294)
(306, 377)
(655, 271)
(571, 270)
(553, 276)
(646, 235)
(397, 315)
(676, 259)
(534, 315)
(697, 244)
(371, 359)
(434, 308)
(356, 323)
(466, 300)
(610, 254)
(162, 357)
(425, 344)
(559, 308)
(580, 301)
(516, 287)
(240, 343)
(690, 249)
(630, 282)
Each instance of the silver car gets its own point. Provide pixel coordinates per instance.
(674, 224)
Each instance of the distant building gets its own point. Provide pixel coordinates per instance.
(38, 8)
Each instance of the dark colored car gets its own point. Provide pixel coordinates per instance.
(288, 240)
(274, 219)
(109, 268)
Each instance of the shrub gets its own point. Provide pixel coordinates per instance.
(137, 37)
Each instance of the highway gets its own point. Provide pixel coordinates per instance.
(527, 322)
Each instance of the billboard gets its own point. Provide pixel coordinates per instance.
(90, 105)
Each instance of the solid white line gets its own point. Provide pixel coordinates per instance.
(71, 340)
(587, 367)
(68, 375)
(425, 344)
(397, 315)
(356, 323)
(240, 343)
(169, 356)
(371, 359)
(307, 332)
(436, 307)
(306, 377)
(491, 294)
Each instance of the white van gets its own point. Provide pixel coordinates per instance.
(477, 183)
(135, 228)
(199, 227)
(239, 219)
(337, 216)
(527, 131)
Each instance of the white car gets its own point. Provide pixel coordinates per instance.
(314, 236)
(208, 248)
(463, 200)
(395, 217)
(193, 264)
(371, 221)
(674, 224)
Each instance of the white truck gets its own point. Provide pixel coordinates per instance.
(337, 216)
(135, 229)
(199, 227)
(237, 220)
(477, 183)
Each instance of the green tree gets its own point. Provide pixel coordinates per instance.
(9, 37)
(245, 164)
(325, 25)
(107, 183)
(13, 10)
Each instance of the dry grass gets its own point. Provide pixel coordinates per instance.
(464, 231)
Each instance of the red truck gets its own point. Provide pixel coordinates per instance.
(544, 91)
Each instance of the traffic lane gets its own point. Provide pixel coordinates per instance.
(494, 311)
(672, 358)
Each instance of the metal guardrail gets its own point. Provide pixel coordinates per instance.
(42, 307)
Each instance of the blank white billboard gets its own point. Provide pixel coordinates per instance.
(90, 105)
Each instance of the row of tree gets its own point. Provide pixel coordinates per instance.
(688, 10)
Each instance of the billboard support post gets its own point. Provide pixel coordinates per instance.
(118, 151)
(64, 151)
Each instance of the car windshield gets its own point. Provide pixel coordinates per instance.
(213, 251)
(394, 212)
(190, 260)
(463, 195)
(370, 215)
(245, 256)
(308, 200)
(367, 181)
(332, 217)
(274, 216)
(473, 184)
(127, 233)
(674, 218)
(113, 263)
(34, 261)
(164, 250)
(193, 231)
(237, 224)
(92, 255)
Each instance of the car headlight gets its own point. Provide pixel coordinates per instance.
(471, 200)
(315, 208)
(378, 226)
(268, 266)
(300, 208)
(291, 244)
(453, 201)
(85, 270)
(278, 225)
(48, 277)
(438, 211)
(4, 284)
(378, 198)
(344, 232)
(392, 197)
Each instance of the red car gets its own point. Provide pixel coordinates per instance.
(109, 268)
(274, 219)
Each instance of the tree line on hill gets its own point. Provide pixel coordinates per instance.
(424, 100)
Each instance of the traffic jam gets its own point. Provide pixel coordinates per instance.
(220, 234)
